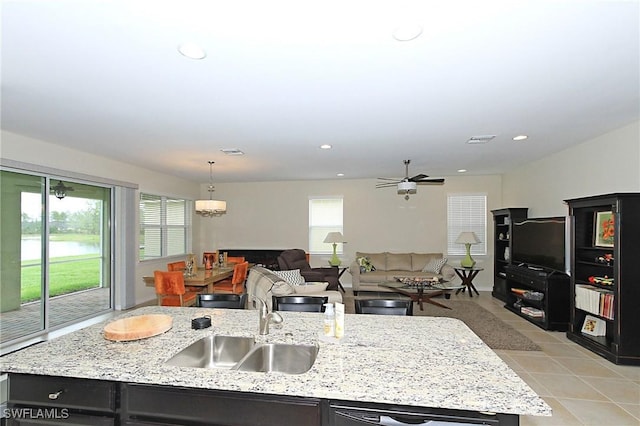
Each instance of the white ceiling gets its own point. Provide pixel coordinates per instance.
(282, 77)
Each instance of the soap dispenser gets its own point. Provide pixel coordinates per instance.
(329, 320)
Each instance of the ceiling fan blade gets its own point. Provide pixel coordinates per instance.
(386, 185)
(393, 179)
(430, 182)
(419, 177)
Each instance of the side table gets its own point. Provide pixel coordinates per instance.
(467, 275)
(341, 271)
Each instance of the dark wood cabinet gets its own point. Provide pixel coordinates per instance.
(175, 405)
(608, 273)
(46, 400)
(503, 220)
(546, 293)
(95, 402)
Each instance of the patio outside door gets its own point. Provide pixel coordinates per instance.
(55, 267)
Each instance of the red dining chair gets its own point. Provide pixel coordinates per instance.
(177, 266)
(236, 283)
(170, 289)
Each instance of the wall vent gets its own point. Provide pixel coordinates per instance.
(480, 139)
(232, 151)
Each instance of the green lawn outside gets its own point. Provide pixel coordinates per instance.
(66, 275)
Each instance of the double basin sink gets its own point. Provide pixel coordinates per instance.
(243, 354)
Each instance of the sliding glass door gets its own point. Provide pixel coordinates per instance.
(56, 253)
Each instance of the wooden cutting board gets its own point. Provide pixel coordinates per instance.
(138, 327)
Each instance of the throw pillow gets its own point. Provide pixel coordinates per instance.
(293, 276)
(282, 288)
(312, 287)
(365, 265)
(435, 265)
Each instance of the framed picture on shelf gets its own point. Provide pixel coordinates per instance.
(594, 326)
(604, 229)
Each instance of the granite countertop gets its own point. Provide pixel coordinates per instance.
(418, 361)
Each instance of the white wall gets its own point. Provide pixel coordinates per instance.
(275, 215)
(28, 150)
(606, 164)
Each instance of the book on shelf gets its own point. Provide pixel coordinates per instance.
(532, 312)
(595, 300)
(594, 326)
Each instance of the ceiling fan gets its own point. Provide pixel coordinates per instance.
(408, 185)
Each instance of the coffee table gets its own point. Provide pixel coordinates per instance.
(422, 293)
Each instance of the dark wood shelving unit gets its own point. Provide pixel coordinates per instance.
(621, 342)
(502, 225)
(554, 287)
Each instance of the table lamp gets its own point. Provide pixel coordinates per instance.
(467, 238)
(334, 238)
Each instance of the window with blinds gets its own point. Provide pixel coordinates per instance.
(325, 215)
(164, 226)
(466, 212)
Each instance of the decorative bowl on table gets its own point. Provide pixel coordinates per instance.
(417, 281)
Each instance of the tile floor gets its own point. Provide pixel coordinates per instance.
(582, 388)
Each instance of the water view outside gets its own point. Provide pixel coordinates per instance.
(78, 265)
(31, 248)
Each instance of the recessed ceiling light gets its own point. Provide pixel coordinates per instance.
(325, 146)
(462, 170)
(407, 31)
(340, 174)
(192, 50)
(520, 137)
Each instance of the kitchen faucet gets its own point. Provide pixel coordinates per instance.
(265, 317)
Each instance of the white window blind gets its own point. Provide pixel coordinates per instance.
(325, 215)
(466, 212)
(164, 226)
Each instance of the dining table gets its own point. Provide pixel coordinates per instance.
(205, 278)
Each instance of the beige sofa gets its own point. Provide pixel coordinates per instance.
(263, 283)
(391, 265)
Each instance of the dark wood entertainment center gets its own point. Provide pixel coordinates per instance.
(503, 220)
(554, 303)
(539, 295)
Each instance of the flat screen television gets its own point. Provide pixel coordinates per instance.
(540, 242)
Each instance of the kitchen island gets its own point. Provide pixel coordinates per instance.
(383, 361)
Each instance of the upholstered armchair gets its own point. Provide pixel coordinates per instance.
(297, 259)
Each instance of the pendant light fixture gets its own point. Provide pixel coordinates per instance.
(211, 207)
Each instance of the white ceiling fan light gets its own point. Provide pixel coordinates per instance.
(408, 185)
(407, 188)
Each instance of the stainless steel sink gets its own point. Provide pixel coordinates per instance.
(283, 358)
(213, 352)
(242, 353)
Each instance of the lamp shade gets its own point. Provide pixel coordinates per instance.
(467, 238)
(407, 187)
(334, 237)
(210, 207)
